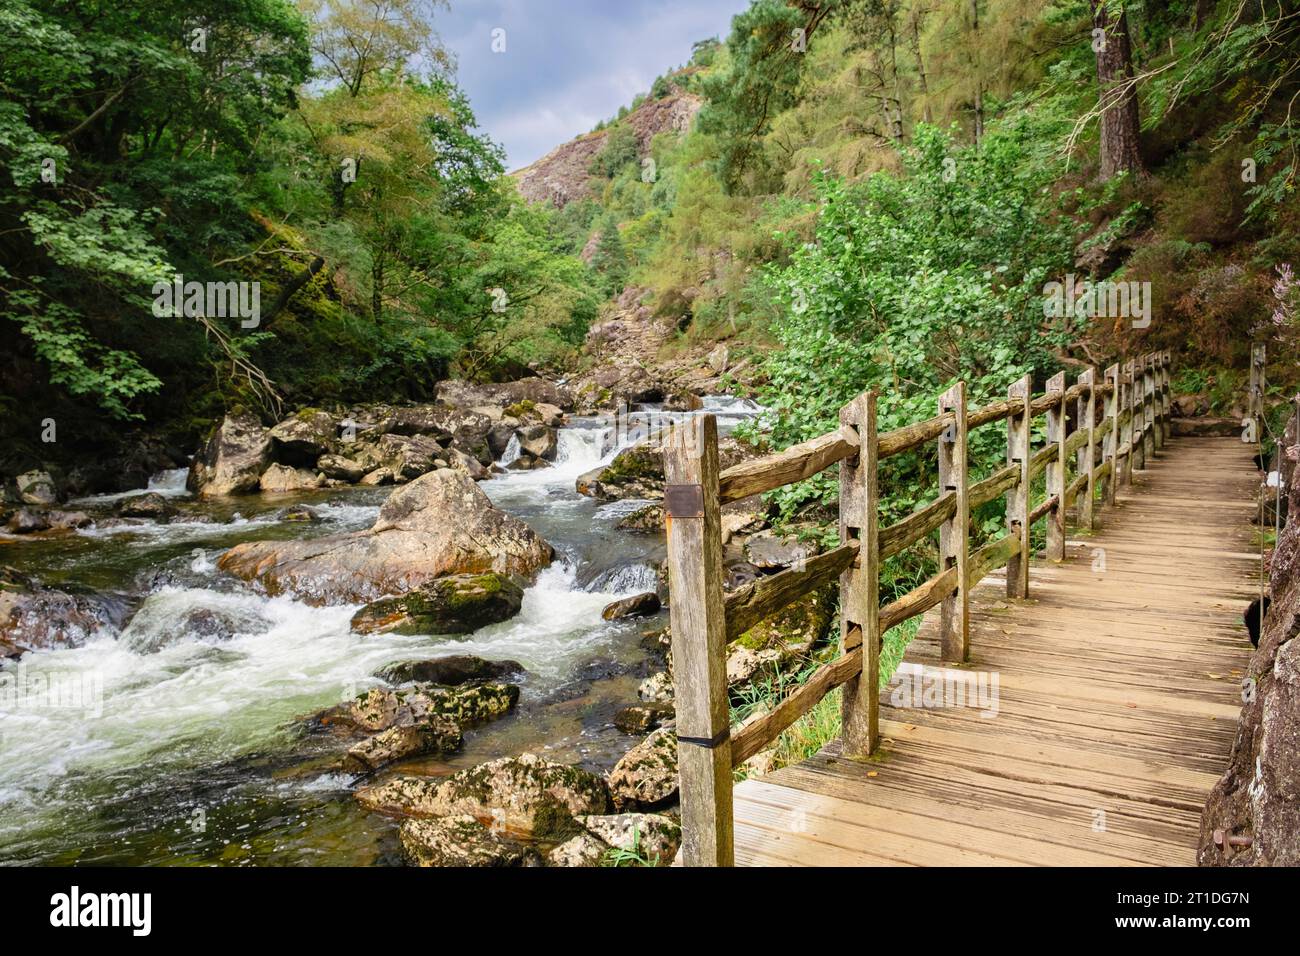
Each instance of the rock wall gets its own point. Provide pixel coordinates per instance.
(1252, 817)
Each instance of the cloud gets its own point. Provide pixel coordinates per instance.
(568, 64)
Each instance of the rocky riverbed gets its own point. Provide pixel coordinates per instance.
(259, 657)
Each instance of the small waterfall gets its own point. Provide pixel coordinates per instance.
(511, 454)
(582, 446)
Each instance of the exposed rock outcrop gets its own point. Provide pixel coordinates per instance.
(1252, 816)
(233, 458)
(439, 524)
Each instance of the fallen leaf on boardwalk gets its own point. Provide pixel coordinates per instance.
(871, 773)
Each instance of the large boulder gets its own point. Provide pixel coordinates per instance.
(437, 525)
(303, 437)
(456, 604)
(404, 456)
(539, 441)
(535, 389)
(150, 505)
(525, 796)
(651, 836)
(233, 458)
(282, 479)
(460, 841)
(450, 671)
(381, 708)
(37, 488)
(1252, 816)
(639, 605)
(341, 468)
(646, 777)
(37, 618)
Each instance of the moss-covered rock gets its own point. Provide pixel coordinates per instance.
(432, 735)
(457, 604)
(783, 639)
(460, 841)
(646, 777)
(381, 707)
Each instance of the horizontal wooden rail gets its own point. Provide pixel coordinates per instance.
(919, 599)
(993, 555)
(760, 599)
(900, 536)
(910, 436)
(1043, 508)
(996, 484)
(757, 732)
(784, 468)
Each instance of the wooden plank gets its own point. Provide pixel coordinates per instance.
(787, 467)
(954, 544)
(760, 599)
(987, 489)
(912, 436)
(901, 535)
(860, 625)
(1047, 506)
(699, 648)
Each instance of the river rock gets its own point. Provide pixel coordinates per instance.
(583, 850)
(466, 463)
(28, 521)
(150, 505)
(300, 514)
(232, 459)
(460, 841)
(639, 605)
(523, 795)
(341, 468)
(451, 671)
(643, 718)
(434, 734)
(646, 776)
(539, 441)
(68, 520)
(456, 604)
(281, 479)
(650, 835)
(657, 687)
(405, 456)
(437, 525)
(645, 519)
(379, 476)
(37, 618)
(37, 488)
(534, 389)
(382, 707)
(303, 437)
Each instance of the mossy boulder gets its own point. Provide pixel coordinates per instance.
(460, 841)
(450, 671)
(232, 459)
(432, 735)
(525, 796)
(456, 604)
(382, 707)
(303, 437)
(150, 505)
(646, 776)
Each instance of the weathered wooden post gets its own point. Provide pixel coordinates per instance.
(1110, 444)
(1167, 395)
(1137, 438)
(860, 584)
(1086, 457)
(1056, 468)
(1018, 497)
(1126, 446)
(699, 641)
(954, 534)
(1157, 400)
(1148, 407)
(1258, 357)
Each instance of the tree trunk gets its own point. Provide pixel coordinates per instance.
(1119, 105)
(979, 77)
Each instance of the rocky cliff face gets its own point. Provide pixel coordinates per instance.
(1252, 817)
(563, 175)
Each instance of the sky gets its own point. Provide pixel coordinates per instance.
(568, 64)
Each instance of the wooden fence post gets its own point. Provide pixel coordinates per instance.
(1167, 393)
(954, 534)
(860, 584)
(1138, 440)
(1126, 380)
(699, 641)
(1158, 400)
(1056, 421)
(1149, 424)
(1110, 444)
(1255, 411)
(1086, 457)
(1018, 497)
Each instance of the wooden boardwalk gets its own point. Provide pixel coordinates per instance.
(1116, 707)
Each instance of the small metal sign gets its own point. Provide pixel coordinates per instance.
(684, 501)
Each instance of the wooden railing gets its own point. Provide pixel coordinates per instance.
(1119, 422)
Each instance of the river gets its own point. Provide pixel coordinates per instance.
(179, 748)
